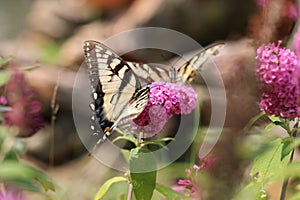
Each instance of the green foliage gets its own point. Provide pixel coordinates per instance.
(168, 192)
(270, 126)
(4, 73)
(143, 178)
(270, 161)
(106, 186)
(50, 53)
(270, 164)
(253, 120)
(252, 191)
(142, 164)
(14, 172)
(24, 176)
(4, 61)
(4, 76)
(161, 142)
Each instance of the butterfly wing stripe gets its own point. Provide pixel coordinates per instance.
(149, 72)
(188, 71)
(135, 107)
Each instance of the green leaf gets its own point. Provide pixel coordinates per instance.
(25, 185)
(292, 169)
(11, 156)
(253, 120)
(142, 173)
(287, 147)
(274, 158)
(105, 187)
(282, 124)
(295, 143)
(125, 137)
(18, 172)
(45, 182)
(4, 76)
(50, 53)
(270, 126)
(4, 60)
(159, 142)
(273, 118)
(168, 192)
(252, 191)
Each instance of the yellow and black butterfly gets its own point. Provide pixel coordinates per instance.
(118, 93)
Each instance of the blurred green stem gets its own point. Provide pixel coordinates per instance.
(293, 134)
(286, 181)
(129, 192)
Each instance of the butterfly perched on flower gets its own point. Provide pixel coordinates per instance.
(119, 88)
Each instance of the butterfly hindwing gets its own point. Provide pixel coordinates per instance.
(188, 71)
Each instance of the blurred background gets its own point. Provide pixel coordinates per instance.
(49, 35)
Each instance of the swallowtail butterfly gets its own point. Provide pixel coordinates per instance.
(118, 93)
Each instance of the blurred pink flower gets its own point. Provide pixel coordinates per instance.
(165, 100)
(205, 163)
(11, 194)
(179, 188)
(278, 74)
(260, 2)
(296, 43)
(290, 9)
(25, 112)
(191, 186)
(3, 100)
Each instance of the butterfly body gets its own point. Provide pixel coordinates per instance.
(117, 85)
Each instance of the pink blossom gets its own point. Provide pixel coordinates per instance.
(196, 168)
(179, 188)
(3, 100)
(165, 100)
(11, 194)
(25, 112)
(260, 2)
(192, 183)
(291, 10)
(278, 72)
(206, 162)
(186, 183)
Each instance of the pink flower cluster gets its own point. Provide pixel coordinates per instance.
(165, 100)
(11, 194)
(25, 110)
(191, 185)
(278, 72)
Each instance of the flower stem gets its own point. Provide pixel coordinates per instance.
(286, 181)
(129, 196)
(54, 108)
(292, 133)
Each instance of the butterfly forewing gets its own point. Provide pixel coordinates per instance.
(114, 85)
